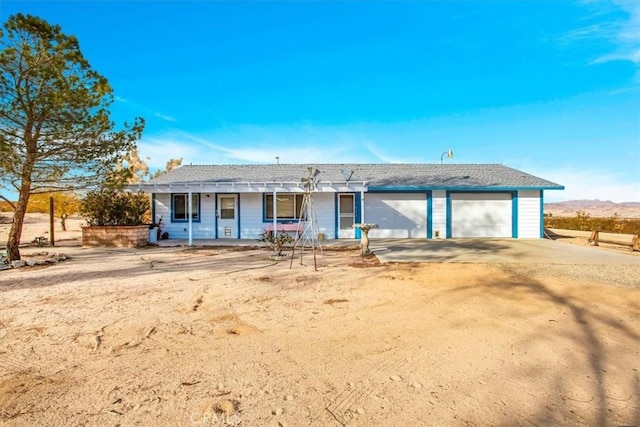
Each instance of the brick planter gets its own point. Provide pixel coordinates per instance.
(119, 236)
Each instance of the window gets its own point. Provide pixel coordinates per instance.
(180, 211)
(227, 207)
(288, 207)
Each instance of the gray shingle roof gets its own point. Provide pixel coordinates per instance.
(378, 175)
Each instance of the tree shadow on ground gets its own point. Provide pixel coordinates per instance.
(127, 263)
(591, 320)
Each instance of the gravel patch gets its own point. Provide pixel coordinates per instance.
(621, 276)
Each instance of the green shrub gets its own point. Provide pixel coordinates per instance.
(110, 207)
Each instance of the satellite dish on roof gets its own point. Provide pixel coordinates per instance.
(347, 174)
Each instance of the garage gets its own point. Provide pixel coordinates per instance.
(481, 215)
(398, 215)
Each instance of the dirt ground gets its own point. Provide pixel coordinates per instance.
(37, 225)
(179, 336)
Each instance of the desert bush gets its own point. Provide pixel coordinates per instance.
(6, 206)
(275, 242)
(583, 221)
(65, 204)
(110, 207)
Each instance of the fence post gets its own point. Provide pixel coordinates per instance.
(595, 236)
(52, 235)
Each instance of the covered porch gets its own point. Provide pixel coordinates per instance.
(249, 243)
(204, 212)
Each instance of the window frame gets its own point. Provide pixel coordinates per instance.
(297, 206)
(195, 217)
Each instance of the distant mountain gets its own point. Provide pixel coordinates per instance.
(595, 208)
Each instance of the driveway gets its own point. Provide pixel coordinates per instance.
(535, 251)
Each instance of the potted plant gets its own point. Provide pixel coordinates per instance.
(155, 231)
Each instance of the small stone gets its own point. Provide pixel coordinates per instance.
(18, 263)
(282, 424)
(226, 406)
(289, 397)
(360, 410)
(351, 384)
(30, 262)
(220, 386)
(416, 385)
(395, 378)
(277, 411)
(135, 408)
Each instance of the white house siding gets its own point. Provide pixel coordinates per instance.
(251, 224)
(439, 213)
(398, 215)
(481, 214)
(529, 214)
(325, 207)
(252, 217)
(205, 229)
(162, 209)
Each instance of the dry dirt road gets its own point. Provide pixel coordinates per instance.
(194, 337)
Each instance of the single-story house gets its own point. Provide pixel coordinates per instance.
(405, 200)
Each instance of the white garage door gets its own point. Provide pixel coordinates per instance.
(399, 215)
(481, 215)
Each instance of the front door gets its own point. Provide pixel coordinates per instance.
(346, 216)
(227, 215)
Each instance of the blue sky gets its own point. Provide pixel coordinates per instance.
(548, 87)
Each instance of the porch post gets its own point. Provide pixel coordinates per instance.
(275, 213)
(190, 213)
(362, 207)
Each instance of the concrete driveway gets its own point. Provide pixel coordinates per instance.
(535, 251)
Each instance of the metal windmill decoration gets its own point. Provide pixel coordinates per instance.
(307, 233)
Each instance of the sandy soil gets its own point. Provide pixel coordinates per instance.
(176, 336)
(37, 225)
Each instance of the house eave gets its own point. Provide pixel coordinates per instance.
(246, 187)
(418, 188)
(263, 187)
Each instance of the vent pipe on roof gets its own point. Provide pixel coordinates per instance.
(449, 155)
